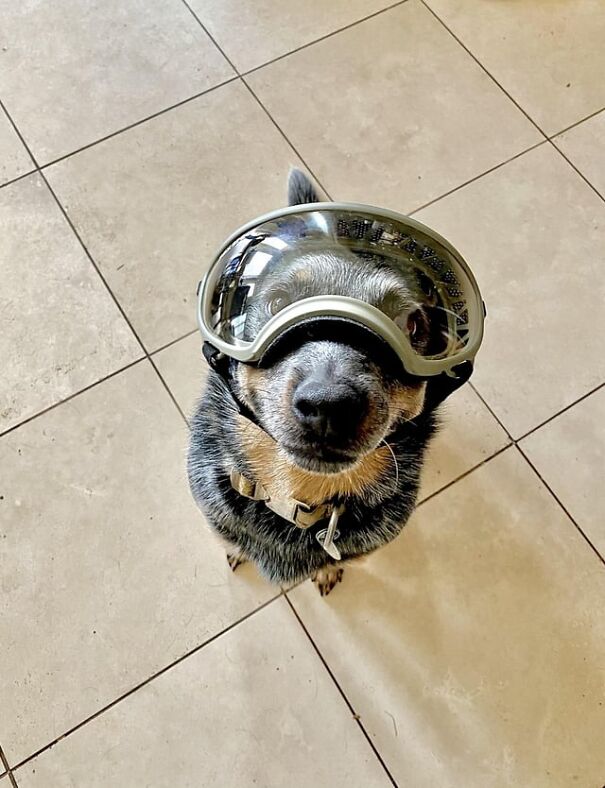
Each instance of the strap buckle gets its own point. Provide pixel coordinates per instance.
(300, 514)
(296, 512)
(246, 487)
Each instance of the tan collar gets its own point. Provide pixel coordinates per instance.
(296, 512)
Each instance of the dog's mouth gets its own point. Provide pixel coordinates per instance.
(319, 459)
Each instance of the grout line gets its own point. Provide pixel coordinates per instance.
(93, 263)
(173, 342)
(40, 167)
(21, 137)
(547, 138)
(19, 177)
(477, 177)
(8, 771)
(17, 131)
(102, 380)
(515, 443)
(463, 475)
(559, 412)
(238, 76)
(493, 413)
(137, 123)
(577, 123)
(211, 37)
(288, 141)
(253, 94)
(321, 38)
(151, 678)
(483, 68)
(3, 760)
(111, 293)
(558, 500)
(340, 690)
(573, 166)
(72, 396)
(170, 394)
(540, 477)
(101, 277)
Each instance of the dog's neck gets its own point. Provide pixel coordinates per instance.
(281, 477)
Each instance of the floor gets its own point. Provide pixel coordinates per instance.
(134, 136)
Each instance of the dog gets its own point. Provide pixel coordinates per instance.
(330, 422)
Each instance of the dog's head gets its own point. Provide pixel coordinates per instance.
(330, 399)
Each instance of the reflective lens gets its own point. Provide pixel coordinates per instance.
(285, 263)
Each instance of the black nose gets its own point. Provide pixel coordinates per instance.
(329, 410)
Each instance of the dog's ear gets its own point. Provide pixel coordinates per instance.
(300, 189)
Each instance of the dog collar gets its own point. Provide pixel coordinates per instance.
(296, 512)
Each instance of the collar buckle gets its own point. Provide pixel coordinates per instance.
(296, 512)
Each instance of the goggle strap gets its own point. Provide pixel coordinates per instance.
(221, 364)
(441, 386)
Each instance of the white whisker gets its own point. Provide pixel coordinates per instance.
(390, 448)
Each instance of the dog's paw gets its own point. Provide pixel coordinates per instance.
(236, 559)
(326, 578)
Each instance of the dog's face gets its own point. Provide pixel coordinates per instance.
(329, 403)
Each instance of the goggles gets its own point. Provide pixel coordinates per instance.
(358, 266)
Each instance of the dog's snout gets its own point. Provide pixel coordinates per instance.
(329, 410)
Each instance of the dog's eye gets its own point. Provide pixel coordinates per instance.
(278, 302)
(412, 326)
(416, 326)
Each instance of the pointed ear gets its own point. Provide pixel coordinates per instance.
(300, 189)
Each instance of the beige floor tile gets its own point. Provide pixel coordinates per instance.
(92, 68)
(253, 33)
(584, 145)
(184, 369)
(14, 159)
(371, 113)
(569, 452)
(473, 646)
(533, 232)
(250, 709)
(154, 203)
(59, 328)
(469, 435)
(109, 571)
(547, 55)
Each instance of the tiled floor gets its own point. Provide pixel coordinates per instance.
(470, 653)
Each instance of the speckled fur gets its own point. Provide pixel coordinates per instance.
(282, 552)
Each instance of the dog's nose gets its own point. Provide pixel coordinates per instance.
(331, 411)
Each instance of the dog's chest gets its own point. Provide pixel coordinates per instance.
(281, 478)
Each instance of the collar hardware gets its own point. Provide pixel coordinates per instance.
(296, 512)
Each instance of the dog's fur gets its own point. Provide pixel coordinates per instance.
(376, 480)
